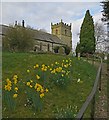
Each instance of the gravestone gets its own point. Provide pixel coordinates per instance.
(105, 57)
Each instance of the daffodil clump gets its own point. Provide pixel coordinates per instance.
(60, 72)
(11, 91)
(37, 87)
(40, 89)
(11, 86)
(41, 73)
(35, 92)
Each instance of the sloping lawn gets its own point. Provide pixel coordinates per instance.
(59, 99)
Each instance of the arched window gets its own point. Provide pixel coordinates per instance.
(65, 32)
(56, 31)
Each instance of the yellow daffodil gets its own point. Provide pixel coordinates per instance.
(28, 71)
(38, 89)
(46, 90)
(66, 65)
(58, 69)
(7, 80)
(50, 69)
(28, 84)
(15, 95)
(66, 60)
(15, 81)
(37, 77)
(35, 85)
(62, 64)
(63, 71)
(9, 83)
(15, 76)
(7, 87)
(43, 65)
(37, 65)
(53, 71)
(31, 81)
(56, 63)
(40, 86)
(41, 95)
(44, 68)
(31, 86)
(42, 90)
(16, 88)
(62, 75)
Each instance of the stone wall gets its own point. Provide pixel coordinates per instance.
(44, 46)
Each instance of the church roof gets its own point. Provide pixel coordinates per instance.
(47, 37)
(39, 35)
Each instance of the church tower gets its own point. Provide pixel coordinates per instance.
(62, 31)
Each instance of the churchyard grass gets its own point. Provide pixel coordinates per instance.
(59, 100)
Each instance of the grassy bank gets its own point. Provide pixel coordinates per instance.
(73, 94)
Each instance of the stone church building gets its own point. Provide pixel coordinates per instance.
(60, 36)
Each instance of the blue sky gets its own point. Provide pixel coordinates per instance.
(39, 15)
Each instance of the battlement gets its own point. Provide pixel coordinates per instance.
(62, 24)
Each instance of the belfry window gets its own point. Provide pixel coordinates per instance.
(56, 31)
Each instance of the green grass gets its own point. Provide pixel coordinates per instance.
(74, 94)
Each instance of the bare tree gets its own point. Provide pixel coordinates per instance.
(100, 35)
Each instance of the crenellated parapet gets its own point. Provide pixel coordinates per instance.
(61, 24)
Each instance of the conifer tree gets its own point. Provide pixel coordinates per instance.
(87, 39)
